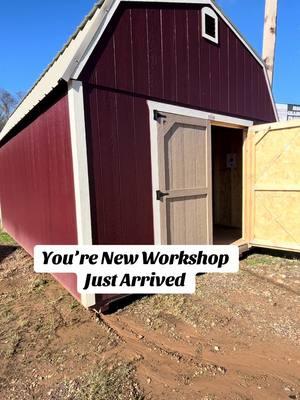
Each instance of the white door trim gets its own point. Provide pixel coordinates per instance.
(80, 171)
(189, 112)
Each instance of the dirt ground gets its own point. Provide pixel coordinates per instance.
(237, 338)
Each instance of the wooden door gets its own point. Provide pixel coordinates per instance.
(274, 183)
(185, 194)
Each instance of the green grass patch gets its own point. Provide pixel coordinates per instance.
(259, 259)
(5, 239)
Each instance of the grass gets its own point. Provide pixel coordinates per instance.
(39, 284)
(74, 304)
(112, 380)
(5, 239)
(258, 259)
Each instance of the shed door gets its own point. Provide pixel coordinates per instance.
(184, 159)
(275, 184)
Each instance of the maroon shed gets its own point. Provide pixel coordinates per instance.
(145, 96)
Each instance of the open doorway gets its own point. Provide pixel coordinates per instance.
(227, 184)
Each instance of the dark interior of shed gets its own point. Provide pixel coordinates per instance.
(227, 184)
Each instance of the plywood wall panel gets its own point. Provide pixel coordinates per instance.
(277, 218)
(275, 184)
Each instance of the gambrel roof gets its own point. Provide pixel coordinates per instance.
(70, 61)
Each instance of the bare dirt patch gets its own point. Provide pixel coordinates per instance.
(236, 338)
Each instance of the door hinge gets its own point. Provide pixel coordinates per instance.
(160, 195)
(158, 115)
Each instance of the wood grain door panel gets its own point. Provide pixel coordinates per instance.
(184, 150)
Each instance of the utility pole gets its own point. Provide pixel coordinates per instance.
(269, 40)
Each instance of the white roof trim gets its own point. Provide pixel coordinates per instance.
(70, 61)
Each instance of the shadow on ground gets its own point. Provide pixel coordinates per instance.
(6, 250)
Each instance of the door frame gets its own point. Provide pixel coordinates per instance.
(212, 119)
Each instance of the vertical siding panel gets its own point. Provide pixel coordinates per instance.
(246, 84)
(140, 51)
(182, 56)
(194, 64)
(169, 54)
(175, 50)
(144, 216)
(37, 165)
(105, 67)
(240, 80)
(119, 145)
(256, 89)
(269, 111)
(248, 79)
(205, 76)
(232, 88)
(255, 101)
(35, 168)
(154, 53)
(127, 161)
(92, 112)
(110, 167)
(123, 52)
(224, 70)
(94, 162)
(216, 101)
(264, 95)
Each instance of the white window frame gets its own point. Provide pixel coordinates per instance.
(208, 11)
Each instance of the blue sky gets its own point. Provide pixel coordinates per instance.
(33, 31)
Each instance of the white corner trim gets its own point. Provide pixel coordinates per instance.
(80, 171)
(208, 11)
(154, 173)
(189, 112)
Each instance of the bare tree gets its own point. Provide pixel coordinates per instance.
(8, 103)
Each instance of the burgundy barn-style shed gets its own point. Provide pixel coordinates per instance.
(135, 134)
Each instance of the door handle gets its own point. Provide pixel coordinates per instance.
(160, 195)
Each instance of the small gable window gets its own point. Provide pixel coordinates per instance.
(210, 26)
